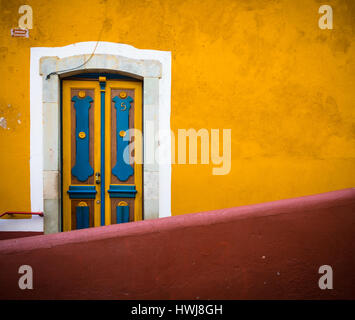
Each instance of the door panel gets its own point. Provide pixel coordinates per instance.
(82, 136)
(122, 118)
(82, 214)
(81, 153)
(83, 117)
(125, 102)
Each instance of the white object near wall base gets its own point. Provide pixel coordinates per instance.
(153, 67)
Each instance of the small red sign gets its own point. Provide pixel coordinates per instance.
(18, 32)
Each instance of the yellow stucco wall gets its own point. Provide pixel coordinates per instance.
(261, 68)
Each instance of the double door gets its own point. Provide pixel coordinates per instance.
(101, 166)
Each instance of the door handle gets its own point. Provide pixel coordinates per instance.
(97, 178)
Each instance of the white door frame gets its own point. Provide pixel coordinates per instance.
(152, 66)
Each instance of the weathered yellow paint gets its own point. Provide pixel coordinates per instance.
(262, 68)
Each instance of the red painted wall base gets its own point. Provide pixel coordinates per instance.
(265, 251)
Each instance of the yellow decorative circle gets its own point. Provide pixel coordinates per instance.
(123, 204)
(82, 135)
(82, 94)
(123, 94)
(122, 133)
(82, 204)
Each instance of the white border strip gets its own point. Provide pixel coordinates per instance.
(34, 224)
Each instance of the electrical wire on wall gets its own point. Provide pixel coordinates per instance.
(83, 64)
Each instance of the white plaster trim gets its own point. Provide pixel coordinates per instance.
(34, 224)
(36, 118)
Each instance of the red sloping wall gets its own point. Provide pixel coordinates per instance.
(266, 251)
